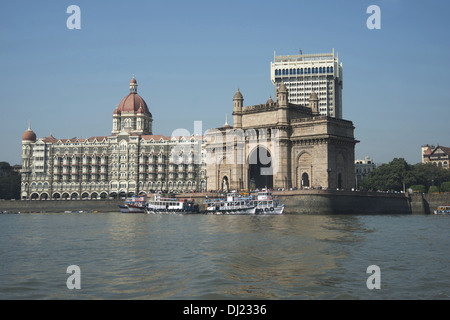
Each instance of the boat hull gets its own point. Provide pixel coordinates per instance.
(270, 210)
(132, 209)
(237, 211)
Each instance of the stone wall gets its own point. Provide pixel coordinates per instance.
(26, 206)
(297, 202)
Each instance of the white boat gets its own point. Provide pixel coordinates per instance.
(267, 203)
(135, 204)
(171, 205)
(443, 210)
(233, 204)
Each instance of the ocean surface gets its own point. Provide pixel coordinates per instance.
(190, 257)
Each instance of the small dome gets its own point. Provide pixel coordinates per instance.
(313, 96)
(238, 95)
(133, 80)
(282, 88)
(270, 101)
(29, 135)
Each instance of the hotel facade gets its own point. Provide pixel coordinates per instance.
(132, 160)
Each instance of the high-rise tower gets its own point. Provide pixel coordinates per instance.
(304, 74)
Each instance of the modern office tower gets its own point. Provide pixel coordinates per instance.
(304, 74)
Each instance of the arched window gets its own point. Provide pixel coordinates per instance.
(328, 69)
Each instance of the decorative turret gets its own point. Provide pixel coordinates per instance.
(238, 101)
(282, 95)
(283, 105)
(314, 103)
(133, 85)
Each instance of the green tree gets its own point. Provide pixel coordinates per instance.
(445, 186)
(9, 182)
(433, 189)
(418, 188)
(393, 176)
(430, 175)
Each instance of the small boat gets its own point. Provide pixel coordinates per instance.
(233, 204)
(171, 205)
(445, 209)
(267, 203)
(135, 204)
(123, 208)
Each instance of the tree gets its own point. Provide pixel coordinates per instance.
(9, 182)
(393, 176)
(398, 174)
(418, 188)
(445, 186)
(430, 175)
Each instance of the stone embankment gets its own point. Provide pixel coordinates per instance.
(297, 202)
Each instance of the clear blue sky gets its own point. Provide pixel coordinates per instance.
(189, 57)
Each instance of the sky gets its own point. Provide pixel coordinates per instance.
(190, 57)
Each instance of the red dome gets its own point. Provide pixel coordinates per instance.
(29, 135)
(132, 103)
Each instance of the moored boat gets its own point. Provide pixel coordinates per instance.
(135, 204)
(171, 205)
(445, 209)
(234, 204)
(267, 203)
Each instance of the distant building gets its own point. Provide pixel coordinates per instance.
(438, 156)
(304, 74)
(363, 168)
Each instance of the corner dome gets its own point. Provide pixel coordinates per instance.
(282, 88)
(29, 135)
(313, 96)
(238, 95)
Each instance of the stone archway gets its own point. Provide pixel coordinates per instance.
(304, 170)
(305, 180)
(260, 172)
(225, 184)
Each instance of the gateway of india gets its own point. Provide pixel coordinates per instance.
(277, 144)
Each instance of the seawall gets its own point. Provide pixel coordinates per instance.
(297, 202)
(59, 205)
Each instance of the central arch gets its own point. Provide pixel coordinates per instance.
(260, 172)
